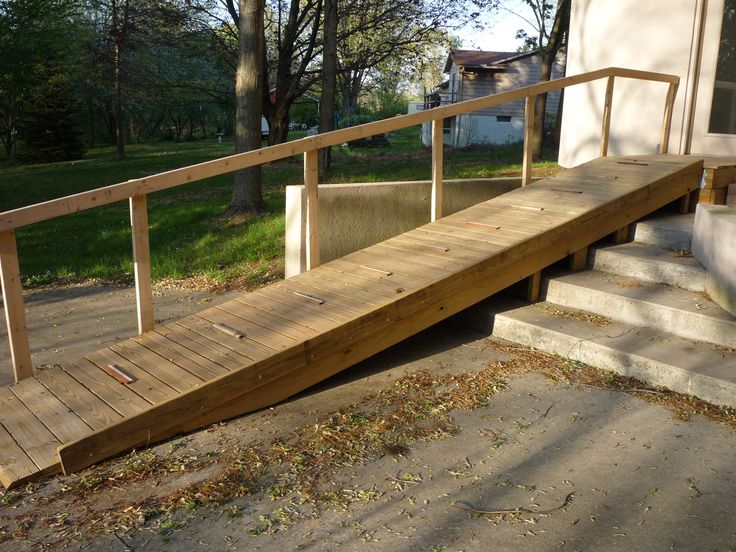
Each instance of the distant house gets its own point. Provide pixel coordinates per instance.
(473, 74)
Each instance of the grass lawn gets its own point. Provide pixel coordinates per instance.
(190, 240)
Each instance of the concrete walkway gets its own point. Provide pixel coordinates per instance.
(642, 479)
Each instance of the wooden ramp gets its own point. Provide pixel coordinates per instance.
(267, 345)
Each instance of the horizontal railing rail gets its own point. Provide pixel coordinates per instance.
(136, 190)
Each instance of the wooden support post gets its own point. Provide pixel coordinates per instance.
(438, 142)
(526, 171)
(534, 284)
(694, 197)
(669, 107)
(683, 204)
(607, 117)
(579, 259)
(621, 235)
(141, 262)
(311, 183)
(15, 314)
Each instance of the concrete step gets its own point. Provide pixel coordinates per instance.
(673, 232)
(664, 308)
(651, 264)
(658, 358)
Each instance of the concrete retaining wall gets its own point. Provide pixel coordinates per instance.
(714, 245)
(354, 216)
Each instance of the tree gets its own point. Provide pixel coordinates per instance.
(52, 129)
(551, 22)
(247, 194)
(294, 33)
(555, 40)
(122, 28)
(37, 42)
(329, 78)
(374, 33)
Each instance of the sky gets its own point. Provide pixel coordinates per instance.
(500, 30)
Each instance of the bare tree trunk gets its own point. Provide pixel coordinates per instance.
(247, 195)
(118, 108)
(549, 53)
(278, 130)
(329, 79)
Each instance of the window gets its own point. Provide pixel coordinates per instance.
(447, 124)
(723, 106)
(503, 118)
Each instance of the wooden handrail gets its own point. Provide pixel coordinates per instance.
(136, 190)
(526, 167)
(607, 107)
(438, 146)
(140, 186)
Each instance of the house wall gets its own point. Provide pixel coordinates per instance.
(656, 35)
(523, 72)
(482, 127)
(485, 129)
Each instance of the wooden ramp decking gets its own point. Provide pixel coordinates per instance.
(293, 334)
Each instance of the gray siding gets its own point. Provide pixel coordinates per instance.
(523, 72)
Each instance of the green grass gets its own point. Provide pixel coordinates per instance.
(189, 237)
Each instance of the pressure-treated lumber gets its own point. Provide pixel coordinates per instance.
(438, 143)
(669, 108)
(311, 186)
(607, 106)
(621, 235)
(361, 329)
(15, 314)
(526, 167)
(579, 259)
(533, 287)
(141, 263)
(189, 374)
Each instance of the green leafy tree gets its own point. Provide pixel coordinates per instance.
(52, 129)
(551, 22)
(37, 41)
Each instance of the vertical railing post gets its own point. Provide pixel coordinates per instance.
(526, 171)
(667, 120)
(141, 262)
(15, 314)
(311, 188)
(438, 143)
(606, 128)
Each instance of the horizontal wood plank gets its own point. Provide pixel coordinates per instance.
(56, 416)
(95, 412)
(27, 430)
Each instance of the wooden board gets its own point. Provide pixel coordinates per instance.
(189, 373)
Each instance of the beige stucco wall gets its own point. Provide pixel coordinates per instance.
(714, 246)
(354, 216)
(655, 35)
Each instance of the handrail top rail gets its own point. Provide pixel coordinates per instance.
(112, 193)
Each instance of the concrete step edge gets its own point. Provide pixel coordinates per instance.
(701, 326)
(653, 371)
(649, 263)
(662, 232)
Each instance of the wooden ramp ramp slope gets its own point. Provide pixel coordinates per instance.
(296, 333)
